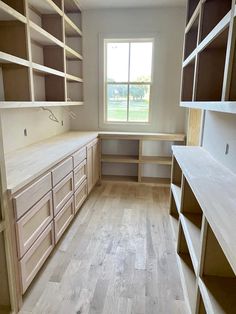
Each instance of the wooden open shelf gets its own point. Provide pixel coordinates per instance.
(191, 38)
(187, 274)
(176, 192)
(213, 12)
(209, 70)
(132, 146)
(174, 216)
(188, 81)
(206, 231)
(47, 49)
(120, 178)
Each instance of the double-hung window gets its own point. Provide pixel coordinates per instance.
(128, 80)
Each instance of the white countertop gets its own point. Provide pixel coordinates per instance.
(28, 163)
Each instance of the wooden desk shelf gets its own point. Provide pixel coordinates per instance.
(206, 231)
(42, 39)
(131, 164)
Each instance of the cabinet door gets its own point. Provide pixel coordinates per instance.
(90, 167)
(96, 162)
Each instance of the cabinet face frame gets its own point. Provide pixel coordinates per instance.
(26, 220)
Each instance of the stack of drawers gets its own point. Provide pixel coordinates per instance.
(45, 209)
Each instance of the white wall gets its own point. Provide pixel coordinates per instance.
(168, 24)
(220, 130)
(37, 123)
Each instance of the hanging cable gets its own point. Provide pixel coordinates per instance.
(52, 115)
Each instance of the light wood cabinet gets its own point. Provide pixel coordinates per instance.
(93, 164)
(36, 256)
(28, 197)
(62, 193)
(61, 171)
(79, 156)
(80, 196)
(63, 219)
(80, 174)
(31, 225)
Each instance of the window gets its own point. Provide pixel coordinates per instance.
(128, 80)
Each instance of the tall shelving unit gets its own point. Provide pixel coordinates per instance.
(202, 211)
(40, 53)
(209, 67)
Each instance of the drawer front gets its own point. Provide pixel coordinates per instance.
(32, 224)
(80, 196)
(62, 170)
(80, 174)
(33, 260)
(63, 219)
(31, 195)
(79, 156)
(62, 193)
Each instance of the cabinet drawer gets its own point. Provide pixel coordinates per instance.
(79, 156)
(62, 193)
(80, 195)
(29, 227)
(33, 260)
(63, 219)
(80, 174)
(62, 170)
(31, 195)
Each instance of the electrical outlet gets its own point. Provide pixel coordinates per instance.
(25, 132)
(227, 149)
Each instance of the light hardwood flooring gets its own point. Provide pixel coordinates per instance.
(117, 257)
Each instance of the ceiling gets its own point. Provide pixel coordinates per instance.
(101, 4)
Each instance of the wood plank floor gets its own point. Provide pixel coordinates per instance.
(118, 257)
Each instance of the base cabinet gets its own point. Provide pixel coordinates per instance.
(42, 217)
(93, 164)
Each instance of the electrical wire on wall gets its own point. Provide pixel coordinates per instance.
(51, 115)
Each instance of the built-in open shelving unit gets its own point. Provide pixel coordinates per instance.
(130, 165)
(209, 71)
(40, 53)
(203, 219)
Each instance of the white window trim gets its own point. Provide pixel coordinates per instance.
(102, 94)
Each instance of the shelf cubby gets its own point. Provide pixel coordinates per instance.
(51, 23)
(211, 69)
(120, 172)
(217, 279)
(75, 43)
(49, 56)
(44, 87)
(213, 12)
(74, 91)
(18, 5)
(187, 273)
(70, 6)
(176, 173)
(192, 5)
(74, 67)
(191, 220)
(46, 6)
(174, 216)
(191, 38)
(188, 81)
(15, 82)
(16, 30)
(232, 91)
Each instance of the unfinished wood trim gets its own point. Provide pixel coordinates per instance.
(229, 59)
(2, 226)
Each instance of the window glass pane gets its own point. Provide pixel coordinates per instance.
(139, 103)
(117, 62)
(117, 97)
(141, 62)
